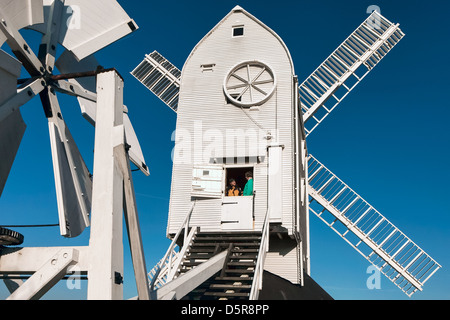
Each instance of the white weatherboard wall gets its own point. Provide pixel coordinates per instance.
(204, 113)
(282, 259)
(206, 117)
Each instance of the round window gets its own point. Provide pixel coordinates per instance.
(250, 84)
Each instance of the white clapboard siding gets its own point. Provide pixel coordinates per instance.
(204, 111)
(282, 259)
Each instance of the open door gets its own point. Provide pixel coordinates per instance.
(237, 210)
(208, 181)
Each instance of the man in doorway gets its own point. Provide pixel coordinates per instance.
(248, 189)
(233, 190)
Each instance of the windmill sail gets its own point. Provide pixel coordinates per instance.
(21, 14)
(12, 127)
(78, 32)
(346, 67)
(72, 178)
(367, 231)
(67, 63)
(161, 77)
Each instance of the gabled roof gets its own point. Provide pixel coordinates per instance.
(242, 10)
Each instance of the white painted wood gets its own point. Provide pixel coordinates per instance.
(12, 130)
(88, 26)
(19, 46)
(12, 284)
(106, 241)
(84, 89)
(371, 228)
(282, 259)
(12, 127)
(132, 224)
(47, 49)
(22, 13)
(161, 77)
(206, 121)
(25, 94)
(72, 177)
(26, 261)
(237, 213)
(364, 48)
(275, 183)
(191, 279)
(207, 181)
(47, 276)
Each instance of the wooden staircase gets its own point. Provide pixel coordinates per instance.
(234, 281)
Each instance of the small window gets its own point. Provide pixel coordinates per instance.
(238, 31)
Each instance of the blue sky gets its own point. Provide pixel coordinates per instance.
(389, 139)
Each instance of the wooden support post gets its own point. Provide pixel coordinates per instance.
(132, 223)
(106, 243)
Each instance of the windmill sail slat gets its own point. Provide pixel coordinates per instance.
(79, 34)
(67, 63)
(12, 130)
(365, 48)
(72, 178)
(12, 126)
(72, 215)
(385, 246)
(161, 77)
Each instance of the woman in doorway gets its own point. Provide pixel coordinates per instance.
(233, 190)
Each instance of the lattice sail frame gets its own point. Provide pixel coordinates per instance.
(346, 67)
(161, 77)
(357, 222)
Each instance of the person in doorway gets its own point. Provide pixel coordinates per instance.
(233, 190)
(248, 189)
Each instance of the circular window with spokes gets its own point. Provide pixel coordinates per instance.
(250, 83)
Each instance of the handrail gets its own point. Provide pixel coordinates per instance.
(166, 262)
(259, 268)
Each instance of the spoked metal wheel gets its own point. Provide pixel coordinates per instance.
(10, 237)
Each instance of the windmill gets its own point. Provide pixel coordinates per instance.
(239, 82)
(81, 28)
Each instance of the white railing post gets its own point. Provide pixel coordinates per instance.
(259, 268)
(166, 262)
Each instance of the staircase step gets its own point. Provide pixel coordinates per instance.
(209, 244)
(230, 286)
(239, 250)
(227, 294)
(191, 263)
(242, 264)
(201, 250)
(239, 271)
(199, 256)
(244, 257)
(233, 278)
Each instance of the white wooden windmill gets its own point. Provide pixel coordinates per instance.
(97, 200)
(241, 109)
